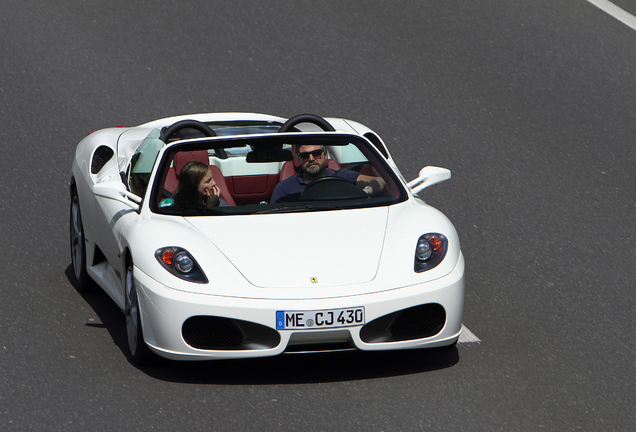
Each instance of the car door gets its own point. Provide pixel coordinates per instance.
(118, 210)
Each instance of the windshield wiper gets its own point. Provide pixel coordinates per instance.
(299, 208)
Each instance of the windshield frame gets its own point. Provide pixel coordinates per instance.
(278, 140)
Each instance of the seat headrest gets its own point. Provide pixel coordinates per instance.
(181, 158)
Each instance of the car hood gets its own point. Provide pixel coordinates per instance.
(296, 250)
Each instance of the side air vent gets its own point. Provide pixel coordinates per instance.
(102, 155)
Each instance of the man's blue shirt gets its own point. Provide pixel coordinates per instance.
(289, 190)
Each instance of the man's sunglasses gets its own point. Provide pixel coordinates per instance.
(317, 154)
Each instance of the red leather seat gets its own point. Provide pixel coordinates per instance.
(287, 170)
(181, 158)
(331, 163)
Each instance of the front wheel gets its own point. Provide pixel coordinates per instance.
(78, 246)
(134, 333)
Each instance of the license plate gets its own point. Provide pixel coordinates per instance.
(320, 319)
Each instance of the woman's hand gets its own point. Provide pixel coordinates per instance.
(213, 196)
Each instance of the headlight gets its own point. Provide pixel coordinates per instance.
(430, 251)
(183, 263)
(180, 263)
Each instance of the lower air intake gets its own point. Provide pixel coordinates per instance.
(207, 332)
(218, 333)
(418, 322)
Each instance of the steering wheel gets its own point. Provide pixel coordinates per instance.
(331, 188)
(306, 118)
(168, 131)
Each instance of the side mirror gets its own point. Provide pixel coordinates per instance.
(117, 191)
(429, 176)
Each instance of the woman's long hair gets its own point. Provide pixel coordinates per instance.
(187, 192)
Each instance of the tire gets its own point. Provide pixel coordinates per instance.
(139, 351)
(83, 281)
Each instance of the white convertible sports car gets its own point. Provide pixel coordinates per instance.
(352, 259)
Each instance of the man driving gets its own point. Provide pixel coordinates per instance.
(313, 165)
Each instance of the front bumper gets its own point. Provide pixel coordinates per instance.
(165, 310)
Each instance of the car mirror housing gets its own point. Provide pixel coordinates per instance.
(429, 176)
(117, 191)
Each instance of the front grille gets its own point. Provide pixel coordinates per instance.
(209, 332)
(417, 322)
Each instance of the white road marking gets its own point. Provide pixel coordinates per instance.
(467, 336)
(613, 10)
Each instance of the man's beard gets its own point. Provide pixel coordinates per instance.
(314, 169)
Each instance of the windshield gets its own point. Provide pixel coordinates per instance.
(274, 173)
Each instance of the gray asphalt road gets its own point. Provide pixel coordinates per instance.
(530, 104)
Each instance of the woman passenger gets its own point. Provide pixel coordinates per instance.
(197, 188)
